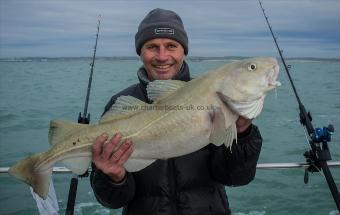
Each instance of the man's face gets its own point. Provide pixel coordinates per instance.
(162, 58)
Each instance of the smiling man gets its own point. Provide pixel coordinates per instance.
(191, 184)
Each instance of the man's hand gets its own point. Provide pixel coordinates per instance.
(242, 124)
(110, 157)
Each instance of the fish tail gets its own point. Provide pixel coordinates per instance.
(26, 171)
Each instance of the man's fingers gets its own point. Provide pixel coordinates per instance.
(109, 156)
(118, 153)
(242, 124)
(111, 145)
(126, 153)
(97, 146)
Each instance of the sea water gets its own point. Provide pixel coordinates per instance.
(32, 92)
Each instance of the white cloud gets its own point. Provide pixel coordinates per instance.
(52, 28)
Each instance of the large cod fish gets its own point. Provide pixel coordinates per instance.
(184, 117)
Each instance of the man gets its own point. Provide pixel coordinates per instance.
(190, 184)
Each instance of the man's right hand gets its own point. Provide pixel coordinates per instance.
(109, 157)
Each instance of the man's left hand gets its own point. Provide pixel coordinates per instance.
(242, 124)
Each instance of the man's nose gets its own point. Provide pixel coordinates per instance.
(162, 54)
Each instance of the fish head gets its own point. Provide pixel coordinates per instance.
(244, 84)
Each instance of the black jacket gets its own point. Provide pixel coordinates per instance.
(192, 184)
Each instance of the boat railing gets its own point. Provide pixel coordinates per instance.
(64, 170)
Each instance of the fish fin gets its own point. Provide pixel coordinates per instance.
(124, 106)
(61, 129)
(161, 88)
(135, 164)
(247, 109)
(231, 136)
(77, 165)
(27, 172)
(218, 132)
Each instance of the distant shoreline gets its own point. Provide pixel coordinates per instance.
(189, 58)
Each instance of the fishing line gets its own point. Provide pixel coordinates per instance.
(275, 94)
(312, 164)
(306, 135)
(317, 138)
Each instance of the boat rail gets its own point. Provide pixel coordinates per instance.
(64, 170)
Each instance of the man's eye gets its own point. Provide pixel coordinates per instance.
(150, 46)
(172, 46)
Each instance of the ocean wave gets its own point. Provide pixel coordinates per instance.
(335, 212)
(93, 208)
(7, 116)
(250, 213)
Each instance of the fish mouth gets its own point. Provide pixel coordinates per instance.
(272, 76)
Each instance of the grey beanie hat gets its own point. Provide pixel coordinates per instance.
(160, 23)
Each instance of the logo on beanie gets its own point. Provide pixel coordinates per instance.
(164, 31)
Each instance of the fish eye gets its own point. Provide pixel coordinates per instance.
(252, 67)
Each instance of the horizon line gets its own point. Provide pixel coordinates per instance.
(137, 57)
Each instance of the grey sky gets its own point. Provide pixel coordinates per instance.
(57, 28)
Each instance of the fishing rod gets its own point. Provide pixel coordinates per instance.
(83, 119)
(318, 138)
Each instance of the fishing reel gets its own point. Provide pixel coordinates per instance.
(323, 134)
(320, 135)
